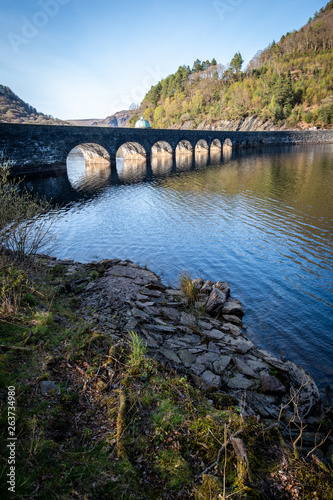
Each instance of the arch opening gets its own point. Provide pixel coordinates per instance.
(201, 147)
(161, 148)
(88, 166)
(131, 162)
(227, 144)
(131, 150)
(184, 147)
(216, 145)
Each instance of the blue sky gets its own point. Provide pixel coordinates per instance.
(91, 58)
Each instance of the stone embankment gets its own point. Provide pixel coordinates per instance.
(205, 340)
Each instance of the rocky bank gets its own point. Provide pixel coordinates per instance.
(205, 340)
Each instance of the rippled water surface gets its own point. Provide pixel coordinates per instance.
(261, 221)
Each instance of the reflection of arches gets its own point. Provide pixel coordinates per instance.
(161, 148)
(88, 167)
(201, 146)
(132, 150)
(184, 147)
(161, 165)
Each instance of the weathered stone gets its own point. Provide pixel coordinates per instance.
(207, 359)
(233, 307)
(47, 386)
(256, 365)
(221, 364)
(244, 346)
(244, 368)
(187, 358)
(152, 335)
(211, 379)
(223, 286)
(131, 324)
(207, 286)
(240, 382)
(232, 329)
(216, 301)
(150, 292)
(152, 311)
(269, 383)
(205, 325)
(198, 368)
(174, 293)
(213, 347)
(137, 313)
(232, 319)
(161, 328)
(172, 356)
(214, 334)
(142, 305)
(187, 320)
(309, 400)
(170, 313)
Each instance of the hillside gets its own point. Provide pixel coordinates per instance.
(15, 110)
(287, 85)
(119, 119)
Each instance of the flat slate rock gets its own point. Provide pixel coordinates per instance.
(172, 356)
(240, 382)
(211, 378)
(233, 307)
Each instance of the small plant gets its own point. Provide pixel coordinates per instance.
(24, 224)
(189, 287)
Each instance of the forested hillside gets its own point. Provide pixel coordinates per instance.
(15, 110)
(289, 84)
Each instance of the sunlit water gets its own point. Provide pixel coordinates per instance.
(260, 221)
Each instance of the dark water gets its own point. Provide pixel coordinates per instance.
(260, 221)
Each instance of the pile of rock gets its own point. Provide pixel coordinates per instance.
(205, 340)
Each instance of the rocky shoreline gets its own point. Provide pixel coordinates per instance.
(205, 340)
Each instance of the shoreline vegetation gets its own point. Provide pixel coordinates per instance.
(109, 404)
(123, 387)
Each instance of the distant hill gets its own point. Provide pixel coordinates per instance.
(119, 119)
(15, 110)
(287, 85)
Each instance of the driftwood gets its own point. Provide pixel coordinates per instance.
(220, 454)
(15, 347)
(243, 464)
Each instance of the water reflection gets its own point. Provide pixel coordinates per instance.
(161, 165)
(87, 174)
(131, 169)
(262, 221)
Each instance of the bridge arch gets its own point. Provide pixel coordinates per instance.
(131, 150)
(161, 148)
(184, 147)
(88, 166)
(202, 146)
(215, 145)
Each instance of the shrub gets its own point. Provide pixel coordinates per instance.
(24, 221)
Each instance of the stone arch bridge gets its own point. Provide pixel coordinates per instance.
(44, 148)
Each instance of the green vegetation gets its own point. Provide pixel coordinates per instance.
(15, 110)
(288, 82)
(121, 424)
(24, 224)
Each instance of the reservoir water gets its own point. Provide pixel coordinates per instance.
(262, 221)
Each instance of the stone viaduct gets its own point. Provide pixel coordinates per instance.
(44, 148)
